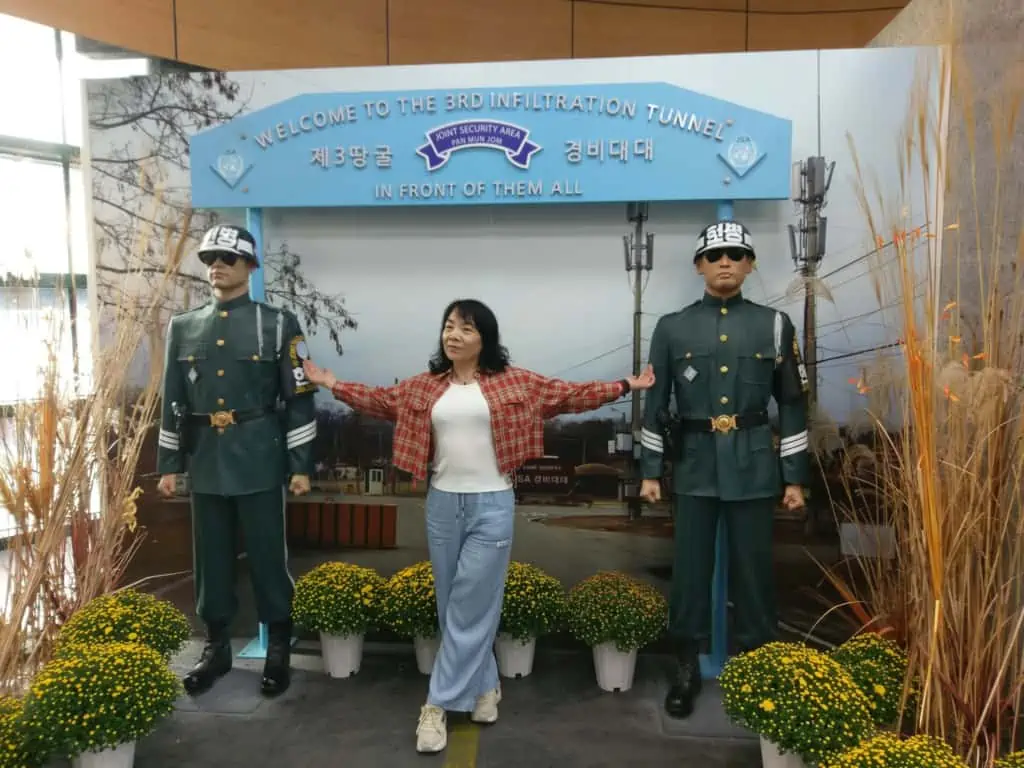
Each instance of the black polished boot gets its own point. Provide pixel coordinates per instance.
(684, 682)
(214, 663)
(277, 669)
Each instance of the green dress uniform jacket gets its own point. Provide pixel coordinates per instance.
(228, 366)
(726, 358)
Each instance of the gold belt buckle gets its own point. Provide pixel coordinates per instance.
(724, 423)
(222, 419)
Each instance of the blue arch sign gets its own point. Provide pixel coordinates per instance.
(540, 144)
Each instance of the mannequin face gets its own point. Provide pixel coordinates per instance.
(228, 273)
(724, 270)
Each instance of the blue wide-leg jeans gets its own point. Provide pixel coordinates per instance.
(470, 540)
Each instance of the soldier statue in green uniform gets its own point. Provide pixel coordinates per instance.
(238, 416)
(725, 357)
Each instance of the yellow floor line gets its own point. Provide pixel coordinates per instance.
(463, 742)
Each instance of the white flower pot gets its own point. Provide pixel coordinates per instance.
(613, 667)
(772, 758)
(426, 651)
(515, 657)
(122, 756)
(342, 654)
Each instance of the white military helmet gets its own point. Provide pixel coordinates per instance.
(724, 235)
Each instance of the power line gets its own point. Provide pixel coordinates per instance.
(846, 355)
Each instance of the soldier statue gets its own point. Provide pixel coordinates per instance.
(725, 357)
(238, 417)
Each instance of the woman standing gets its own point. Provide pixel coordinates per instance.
(477, 418)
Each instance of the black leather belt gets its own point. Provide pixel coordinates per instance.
(221, 419)
(724, 423)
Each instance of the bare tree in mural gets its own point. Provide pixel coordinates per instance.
(140, 129)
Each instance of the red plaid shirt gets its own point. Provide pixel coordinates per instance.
(519, 400)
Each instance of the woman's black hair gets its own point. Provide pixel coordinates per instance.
(493, 356)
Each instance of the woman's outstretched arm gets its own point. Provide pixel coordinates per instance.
(378, 402)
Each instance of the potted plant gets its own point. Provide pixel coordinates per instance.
(14, 747)
(339, 601)
(887, 750)
(805, 707)
(127, 616)
(1012, 760)
(533, 605)
(616, 615)
(93, 702)
(409, 608)
(879, 668)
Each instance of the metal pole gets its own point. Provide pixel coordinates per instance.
(639, 257)
(810, 271)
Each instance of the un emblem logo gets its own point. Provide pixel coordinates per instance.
(231, 167)
(742, 155)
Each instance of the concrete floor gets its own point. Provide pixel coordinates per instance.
(555, 717)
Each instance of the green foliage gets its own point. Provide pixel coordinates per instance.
(338, 599)
(408, 605)
(888, 751)
(879, 667)
(798, 698)
(96, 697)
(127, 616)
(613, 607)
(534, 602)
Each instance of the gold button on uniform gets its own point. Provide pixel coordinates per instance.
(220, 401)
(689, 355)
(220, 342)
(724, 369)
(255, 357)
(757, 355)
(723, 338)
(220, 372)
(724, 400)
(223, 313)
(724, 311)
(191, 358)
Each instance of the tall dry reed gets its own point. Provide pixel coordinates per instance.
(62, 451)
(950, 480)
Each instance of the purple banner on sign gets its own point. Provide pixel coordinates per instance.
(512, 139)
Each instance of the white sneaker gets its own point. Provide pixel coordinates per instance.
(432, 730)
(486, 709)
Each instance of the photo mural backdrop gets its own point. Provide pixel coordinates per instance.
(389, 191)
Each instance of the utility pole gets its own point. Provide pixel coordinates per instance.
(811, 180)
(639, 254)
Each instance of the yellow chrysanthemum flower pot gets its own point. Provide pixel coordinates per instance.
(341, 602)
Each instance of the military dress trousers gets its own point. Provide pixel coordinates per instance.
(725, 360)
(238, 416)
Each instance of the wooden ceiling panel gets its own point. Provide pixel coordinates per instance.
(445, 31)
(824, 6)
(146, 26)
(614, 30)
(282, 34)
(804, 31)
(689, 5)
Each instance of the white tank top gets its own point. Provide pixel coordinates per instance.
(464, 458)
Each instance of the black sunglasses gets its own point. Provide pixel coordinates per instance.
(734, 255)
(227, 259)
